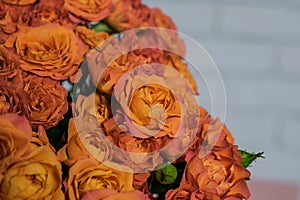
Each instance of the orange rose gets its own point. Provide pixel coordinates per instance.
(126, 62)
(15, 135)
(11, 17)
(176, 62)
(110, 194)
(146, 158)
(12, 98)
(156, 105)
(88, 174)
(94, 10)
(48, 101)
(93, 110)
(161, 20)
(19, 2)
(216, 174)
(38, 176)
(76, 149)
(50, 50)
(215, 134)
(213, 177)
(119, 67)
(140, 182)
(46, 12)
(91, 37)
(128, 15)
(211, 132)
(133, 14)
(10, 66)
(152, 109)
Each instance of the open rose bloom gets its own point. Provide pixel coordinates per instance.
(95, 105)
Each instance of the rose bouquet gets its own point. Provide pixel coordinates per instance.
(94, 105)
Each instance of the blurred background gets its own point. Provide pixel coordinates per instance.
(256, 46)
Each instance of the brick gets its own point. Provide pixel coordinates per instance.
(263, 95)
(292, 135)
(191, 18)
(252, 132)
(261, 21)
(285, 94)
(238, 57)
(290, 59)
(250, 94)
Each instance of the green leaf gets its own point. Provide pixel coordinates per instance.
(248, 158)
(155, 187)
(101, 27)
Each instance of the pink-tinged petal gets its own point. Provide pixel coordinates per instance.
(20, 122)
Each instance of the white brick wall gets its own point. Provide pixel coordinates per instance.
(292, 134)
(261, 21)
(256, 45)
(290, 60)
(232, 56)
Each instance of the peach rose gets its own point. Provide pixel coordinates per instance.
(50, 50)
(48, 101)
(38, 176)
(110, 194)
(15, 135)
(88, 174)
(19, 2)
(77, 149)
(13, 99)
(94, 10)
(91, 37)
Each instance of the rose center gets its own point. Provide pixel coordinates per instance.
(149, 105)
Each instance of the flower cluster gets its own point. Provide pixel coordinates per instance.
(120, 131)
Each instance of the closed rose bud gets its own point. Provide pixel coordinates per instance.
(166, 174)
